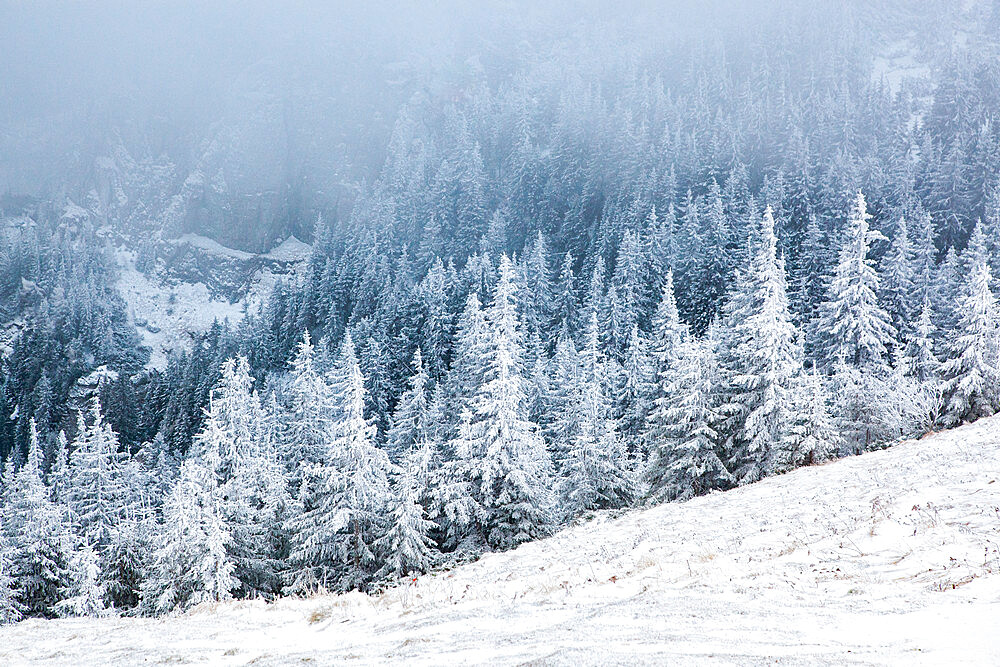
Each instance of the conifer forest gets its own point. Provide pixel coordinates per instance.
(334, 296)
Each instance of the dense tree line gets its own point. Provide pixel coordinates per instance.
(594, 285)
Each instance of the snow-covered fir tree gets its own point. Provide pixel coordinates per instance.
(125, 562)
(311, 408)
(761, 363)
(85, 595)
(597, 471)
(407, 546)
(95, 491)
(564, 307)
(628, 292)
(333, 539)
(239, 435)
(410, 420)
(565, 380)
(192, 563)
(852, 325)
(637, 388)
(455, 498)
(811, 435)
(364, 467)
(684, 460)
(919, 359)
(59, 481)
(468, 367)
(515, 474)
(669, 333)
(949, 283)
(970, 376)
(537, 304)
(11, 610)
(896, 283)
(40, 544)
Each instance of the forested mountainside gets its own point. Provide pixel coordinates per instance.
(591, 260)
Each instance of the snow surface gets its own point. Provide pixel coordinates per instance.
(887, 558)
(289, 250)
(897, 63)
(74, 212)
(212, 246)
(167, 313)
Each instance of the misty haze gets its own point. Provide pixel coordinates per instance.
(501, 332)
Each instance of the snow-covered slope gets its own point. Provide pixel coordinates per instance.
(167, 309)
(887, 558)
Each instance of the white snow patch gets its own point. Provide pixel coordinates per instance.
(898, 63)
(290, 250)
(74, 212)
(167, 314)
(887, 558)
(212, 246)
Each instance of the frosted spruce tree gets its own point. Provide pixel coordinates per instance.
(333, 540)
(468, 366)
(669, 333)
(537, 306)
(595, 297)
(855, 336)
(637, 389)
(126, 559)
(683, 459)
(239, 418)
(970, 376)
(11, 610)
(538, 388)
(407, 547)
(192, 560)
(454, 491)
(238, 433)
(311, 411)
(565, 379)
(515, 474)
(811, 436)
(597, 472)
(919, 360)
(924, 259)
(437, 320)
(713, 265)
(409, 425)
(95, 492)
(761, 363)
(59, 481)
(896, 283)
(852, 325)
(39, 540)
(564, 307)
(689, 251)
(628, 292)
(85, 595)
(949, 288)
(365, 469)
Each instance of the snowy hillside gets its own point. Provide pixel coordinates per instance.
(892, 557)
